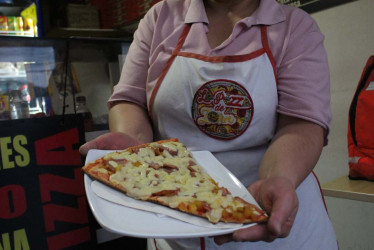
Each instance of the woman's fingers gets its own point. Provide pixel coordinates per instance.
(277, 196)
(109, 141)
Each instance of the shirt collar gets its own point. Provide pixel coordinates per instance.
(196, 12)
(269, 12)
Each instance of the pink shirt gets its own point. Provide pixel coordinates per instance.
(294, 39)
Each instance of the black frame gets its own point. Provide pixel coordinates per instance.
(312, 6)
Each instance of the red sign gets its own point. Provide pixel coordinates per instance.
(42, 197)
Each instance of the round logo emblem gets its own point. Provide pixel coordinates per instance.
(222, 109)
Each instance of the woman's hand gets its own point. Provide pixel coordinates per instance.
(277, 196)
(289, 159)
(110, 141)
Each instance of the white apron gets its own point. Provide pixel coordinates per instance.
(227, 105)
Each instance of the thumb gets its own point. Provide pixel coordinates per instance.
(109, 141)
(254, 189)
(83, 150)
(283, 215)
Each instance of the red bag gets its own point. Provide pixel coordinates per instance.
(361, 127)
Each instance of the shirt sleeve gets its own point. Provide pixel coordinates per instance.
(132, 84)
(303, 75)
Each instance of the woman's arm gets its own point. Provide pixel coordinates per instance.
(294, 150)
(129, 125)
(290, 158)
(130, 119)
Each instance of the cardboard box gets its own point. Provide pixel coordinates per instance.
(4, 107)
(82, 16)
(121, 13)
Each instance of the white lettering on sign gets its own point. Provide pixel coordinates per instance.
(370, 86)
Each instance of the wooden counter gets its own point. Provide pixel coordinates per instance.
(345, 188)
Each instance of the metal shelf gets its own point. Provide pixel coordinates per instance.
(7, 78)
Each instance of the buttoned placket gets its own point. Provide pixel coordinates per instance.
(239, 27)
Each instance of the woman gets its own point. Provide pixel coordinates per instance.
(247, 80)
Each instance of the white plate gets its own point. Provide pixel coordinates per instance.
(138, 223)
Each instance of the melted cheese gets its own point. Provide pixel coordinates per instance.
(141, 180)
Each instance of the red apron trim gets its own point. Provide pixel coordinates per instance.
(323, 199)
(202, 243)
(265, 44)
(320, 189)
(218, 59)
(237, 58)
(166, 69)
(154, 240)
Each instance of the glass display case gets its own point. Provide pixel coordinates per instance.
(50, 75)
(46, 72)
(19, 18)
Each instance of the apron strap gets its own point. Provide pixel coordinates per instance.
(202, 243)
(154, 241)
(167, 66)
(323, 199)
(265, 45)
(320, 189)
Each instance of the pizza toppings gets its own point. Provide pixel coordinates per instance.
(166, 173)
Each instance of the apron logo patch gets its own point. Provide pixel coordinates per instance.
(222, 109)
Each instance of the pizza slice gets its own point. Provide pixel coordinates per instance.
(165, 172)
